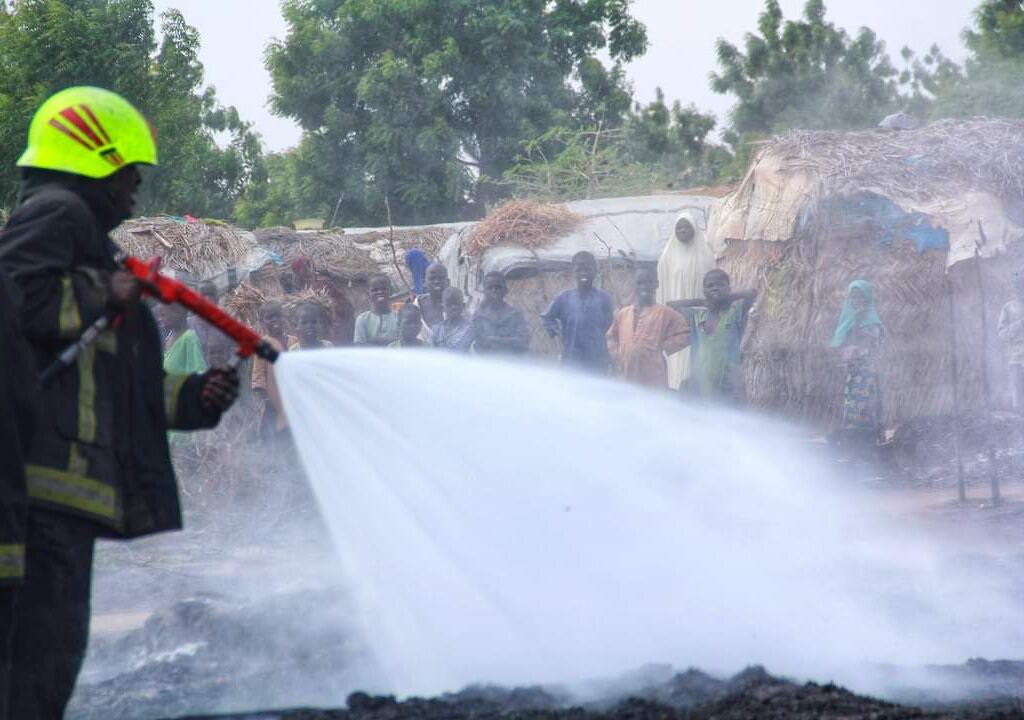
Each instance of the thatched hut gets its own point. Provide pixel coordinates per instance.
(194, 250)
(345, 259)
(925, 215)
(533, 247)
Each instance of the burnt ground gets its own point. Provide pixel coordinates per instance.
(691, 695)
(172, 627)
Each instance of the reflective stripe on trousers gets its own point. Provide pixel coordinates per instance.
(12, 561)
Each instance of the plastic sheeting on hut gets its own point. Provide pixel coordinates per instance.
(925, 215)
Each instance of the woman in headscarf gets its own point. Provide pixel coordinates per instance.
(858, 339)
(681, 269)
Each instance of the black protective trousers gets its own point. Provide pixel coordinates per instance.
(44, 623)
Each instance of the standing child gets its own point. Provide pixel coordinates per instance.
(717, 324)
(309, 329)
(1011, 332)
(183, 353)
(455, 332)
(410, 325)
(431, 302)
(858, 339)
(643, 333)
(497, 326)
(582, 316)
(378, 325)
(264, 383)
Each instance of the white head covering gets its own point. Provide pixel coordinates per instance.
(681, 271)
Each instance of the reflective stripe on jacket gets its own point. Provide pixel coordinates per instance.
(100, 449)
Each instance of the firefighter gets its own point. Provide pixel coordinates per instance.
(98, 463)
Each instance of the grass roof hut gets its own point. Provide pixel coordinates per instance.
(349, 256)
(194, 250)
(923, 215)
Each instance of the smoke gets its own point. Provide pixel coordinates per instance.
(515, 524)
(244, 609)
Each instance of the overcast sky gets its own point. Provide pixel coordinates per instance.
(682, 34)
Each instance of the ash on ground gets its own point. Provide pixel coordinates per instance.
(245, 610)
(691, 695)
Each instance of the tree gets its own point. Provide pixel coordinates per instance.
(991, 81)
(46, 45)
(998, 32)
(805, 73)
(676, 140)
(423, 101)
(656, 148)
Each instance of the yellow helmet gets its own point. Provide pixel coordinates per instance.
(88, 131)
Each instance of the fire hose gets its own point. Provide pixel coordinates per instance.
(167, 290)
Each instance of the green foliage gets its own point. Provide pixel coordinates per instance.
(418, 100)
(992, 82)
(998, 32)
(675, 140)
(46, 45)
(805, 73)
(657, 148)
(566, 164)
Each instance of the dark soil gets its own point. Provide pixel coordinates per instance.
(692, 695)
(922, 452)
(209, 652)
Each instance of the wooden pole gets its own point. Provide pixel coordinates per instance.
(394, 250)
(960, 485)
(993, 474)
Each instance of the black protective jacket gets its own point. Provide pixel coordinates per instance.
(17, 407)
(99, 449)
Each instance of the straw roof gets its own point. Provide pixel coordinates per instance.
(946, 158)
(198, 248)
(359, 253)
(955, 171)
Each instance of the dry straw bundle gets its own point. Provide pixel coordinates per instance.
(202, 249)
(245, 301)
(527, 223)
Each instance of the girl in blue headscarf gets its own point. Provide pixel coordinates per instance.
(858, 339)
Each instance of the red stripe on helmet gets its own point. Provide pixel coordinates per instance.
(96, 122)
(67, 131)
(75, 119)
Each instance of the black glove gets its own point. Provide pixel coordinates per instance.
(220, 389)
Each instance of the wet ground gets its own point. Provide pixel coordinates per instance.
(691, 695)
(231, 616)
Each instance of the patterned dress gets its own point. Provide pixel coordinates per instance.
(862, 396)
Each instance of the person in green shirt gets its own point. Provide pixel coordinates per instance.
(717, 323)
(378, 326)
(183, 353)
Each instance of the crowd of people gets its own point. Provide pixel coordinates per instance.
(631, 342)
